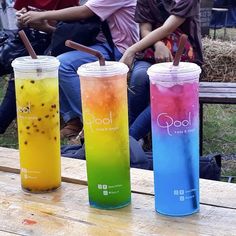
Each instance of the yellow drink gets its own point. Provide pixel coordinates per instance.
(38, 128)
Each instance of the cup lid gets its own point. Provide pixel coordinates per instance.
(42, 62)
(168, 69)
(111, 68)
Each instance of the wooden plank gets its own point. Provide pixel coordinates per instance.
(217, 84)
(67, 212)
(218, 90)
(218, 95)
(208, 98)
(74, 171)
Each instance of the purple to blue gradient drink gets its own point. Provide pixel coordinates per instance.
(175, 137)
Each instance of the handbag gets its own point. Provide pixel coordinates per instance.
(83, 32)
(3, 37)
(172, 42)
(13, 47)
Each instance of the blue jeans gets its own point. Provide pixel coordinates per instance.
(142, 124)
(69, 83)
(139, 95)
(139, 100)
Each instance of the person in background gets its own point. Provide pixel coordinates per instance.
(8, 105)
(124, 32)
(161, 25)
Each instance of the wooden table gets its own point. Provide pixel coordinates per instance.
(67, 212)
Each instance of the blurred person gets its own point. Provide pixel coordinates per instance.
(38, 29)
(161, 25)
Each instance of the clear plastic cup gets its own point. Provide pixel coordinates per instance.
(37, 100)
(105, 119)
(175, 137)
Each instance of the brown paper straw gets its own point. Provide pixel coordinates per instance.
(180, 50)
(27, 44)
(83, 48)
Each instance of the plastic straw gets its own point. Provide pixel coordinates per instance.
(180, 50)
(27, 44)
(88, 50)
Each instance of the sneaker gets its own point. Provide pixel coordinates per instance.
(71, 129)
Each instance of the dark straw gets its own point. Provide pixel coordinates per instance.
(180, 50)
(83, 48)
(27, 44)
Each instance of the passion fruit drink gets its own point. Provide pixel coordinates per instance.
(37, 99)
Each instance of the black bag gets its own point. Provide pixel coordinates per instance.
(83, 32)
(13, 47)
(3, 37)
(210, 167)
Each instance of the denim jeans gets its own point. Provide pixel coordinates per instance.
(139, 100)
(142, 124)
(138, 95)
(69, 83)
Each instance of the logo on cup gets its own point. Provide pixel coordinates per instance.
(25, 109)
(91, 120)
(180, 126)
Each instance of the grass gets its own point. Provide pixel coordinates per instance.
(219, 135)
(219, 131)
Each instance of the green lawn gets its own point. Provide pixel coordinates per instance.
(219, 130)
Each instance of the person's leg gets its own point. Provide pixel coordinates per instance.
(8, 107)
(70, 98)
(138, 95)
(142, 125)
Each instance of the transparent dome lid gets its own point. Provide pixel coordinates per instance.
(167, 71)
(111, 68)
(41, 63)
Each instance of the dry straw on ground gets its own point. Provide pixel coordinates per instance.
(219, 60)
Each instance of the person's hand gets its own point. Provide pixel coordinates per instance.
(42, 26)
(19, 22)
(31, 17)
(162, 53)
(128, 57)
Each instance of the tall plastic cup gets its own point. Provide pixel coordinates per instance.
(37, 100)
(105, 119)
(175, 137)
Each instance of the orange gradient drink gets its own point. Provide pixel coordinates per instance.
(105, 118)
(36, 82)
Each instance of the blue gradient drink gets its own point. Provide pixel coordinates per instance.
(175, 135)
